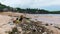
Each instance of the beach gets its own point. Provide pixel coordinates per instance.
(4, 19)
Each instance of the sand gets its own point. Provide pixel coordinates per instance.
(11, 13)
(4, 19)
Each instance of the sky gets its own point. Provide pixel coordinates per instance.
(51, 5)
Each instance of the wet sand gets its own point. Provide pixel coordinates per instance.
(46, 19)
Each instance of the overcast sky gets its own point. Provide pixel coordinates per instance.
(41, 4)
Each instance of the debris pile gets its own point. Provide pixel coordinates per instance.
(30, 28)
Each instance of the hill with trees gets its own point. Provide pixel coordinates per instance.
(27, 10)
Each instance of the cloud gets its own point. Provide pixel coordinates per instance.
(30, 3)
(45, 3)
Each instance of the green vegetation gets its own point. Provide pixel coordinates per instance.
(27, 10)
